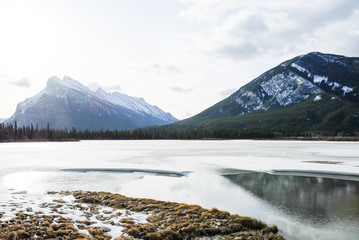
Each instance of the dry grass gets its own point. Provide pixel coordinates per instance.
(167, 220)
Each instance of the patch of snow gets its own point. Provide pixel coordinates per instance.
(298, 67)
(319, 79)
(67, 207)
(64, 98)
(347, 90)
(336, 85)
(250, 101)
(333, 85)
(330, 58)
(301, 69)
(317, 98)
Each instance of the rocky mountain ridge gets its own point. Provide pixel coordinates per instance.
(292, 82)
(67, 103)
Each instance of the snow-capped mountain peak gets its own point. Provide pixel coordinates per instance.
(292, 82)
(55, 84)
(67, 103)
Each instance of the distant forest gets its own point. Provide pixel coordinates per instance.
(10, 132)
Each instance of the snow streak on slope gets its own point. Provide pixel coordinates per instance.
(137, 105)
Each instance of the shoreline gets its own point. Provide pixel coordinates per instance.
(314, 139)
(40, 140)
(103, 215)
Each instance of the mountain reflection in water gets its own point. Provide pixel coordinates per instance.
(315, 200)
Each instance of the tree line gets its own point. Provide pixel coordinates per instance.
(11, 132)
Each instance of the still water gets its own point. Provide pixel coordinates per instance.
(308, 189)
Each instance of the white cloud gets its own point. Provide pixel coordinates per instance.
(13, 80)
(160, 68)
(25, 82)
(205, 10)
(180, 89)
(181, 56)
(250, 29)
(112, 88)
(4, 76)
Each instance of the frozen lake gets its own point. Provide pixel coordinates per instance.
(308, 189)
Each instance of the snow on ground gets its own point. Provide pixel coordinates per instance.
(347, 90)
(317, 98)
(320, 79)
(65, 206)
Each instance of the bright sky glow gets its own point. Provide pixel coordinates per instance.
(181, 55)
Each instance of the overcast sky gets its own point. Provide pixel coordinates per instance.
(181, 55)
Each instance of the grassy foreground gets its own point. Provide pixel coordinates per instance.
(165, 220)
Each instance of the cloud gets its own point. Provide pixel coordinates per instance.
(163, 68)
(244, 30)
(239, 51)
(204, 10)
(25, 82)
(115, 87)
(93, 86)
(5, 76)
(214, 10)
(173, 69)
(180, 89)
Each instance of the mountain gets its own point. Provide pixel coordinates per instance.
(2, 120)
(67, 103)
(316, 90)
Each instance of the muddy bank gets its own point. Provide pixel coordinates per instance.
(101, 215)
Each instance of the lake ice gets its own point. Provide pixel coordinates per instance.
(310, 189)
